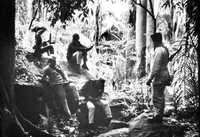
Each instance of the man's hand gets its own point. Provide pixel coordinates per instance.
(89, 48)
(148, 82)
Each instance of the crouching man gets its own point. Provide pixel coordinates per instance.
(57, 81)
(77, 53)
(96, 102)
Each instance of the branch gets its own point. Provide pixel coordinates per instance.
(173, 55)
(142, 6)
(33, 19)
(151, 6)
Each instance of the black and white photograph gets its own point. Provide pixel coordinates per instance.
(99, 68)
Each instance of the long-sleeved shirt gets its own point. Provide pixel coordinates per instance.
(159, 71)
(73, 47)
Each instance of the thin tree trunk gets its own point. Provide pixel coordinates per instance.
(150, 29)
(97, 25)
(140, 38)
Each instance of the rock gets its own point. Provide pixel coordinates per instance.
(115, 124)
(28, 101)
(121, 132)
(143, 126)
(32, 100)
(118, 110)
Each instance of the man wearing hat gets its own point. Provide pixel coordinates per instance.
(159, 76)
(56, 79)
(76, 53)
(40, 46)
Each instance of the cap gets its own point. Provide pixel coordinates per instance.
(156, 37)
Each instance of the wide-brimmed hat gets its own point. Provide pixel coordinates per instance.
(37, 28)
(156, 37)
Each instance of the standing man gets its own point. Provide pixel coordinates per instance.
(159, 76)
(76, 53)
(56, 79)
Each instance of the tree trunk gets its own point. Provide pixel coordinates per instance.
(150, 29)
(7, 59)
(7, 41)
(140, 38)
(97, 26)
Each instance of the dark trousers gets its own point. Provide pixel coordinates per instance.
(61, 100)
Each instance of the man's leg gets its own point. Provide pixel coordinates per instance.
(72, 97)
(158, 99)
(106, 108)
(85, 60)
(61, 98)
(91, 110)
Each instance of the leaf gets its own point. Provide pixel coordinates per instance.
(79, 16)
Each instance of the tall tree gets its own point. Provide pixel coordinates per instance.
(150, 29)
(97, 24)
(140, 38)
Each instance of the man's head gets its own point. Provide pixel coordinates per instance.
(75, 37)
(156, 38)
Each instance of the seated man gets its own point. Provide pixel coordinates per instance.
(76, 53)
(40, 46)
(94, 94)
(57, 80)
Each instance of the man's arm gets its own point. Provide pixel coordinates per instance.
(61, 72)
(44, 77)
(78, 46)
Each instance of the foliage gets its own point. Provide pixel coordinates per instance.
(63, 9)
(193, 9)
(185, 84)
(25, 72)
(176, 12)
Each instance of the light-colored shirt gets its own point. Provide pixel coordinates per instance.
(159, 71)
(55, 75)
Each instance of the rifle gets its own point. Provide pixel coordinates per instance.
(49, 41)
(173, 55)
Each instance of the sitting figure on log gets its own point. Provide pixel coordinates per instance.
(76, 53)
(60, 89)
(41, 47)
(96, 103)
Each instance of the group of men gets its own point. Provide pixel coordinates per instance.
(76, 52)
(60, 88)
(59, 84)
(159, 76)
